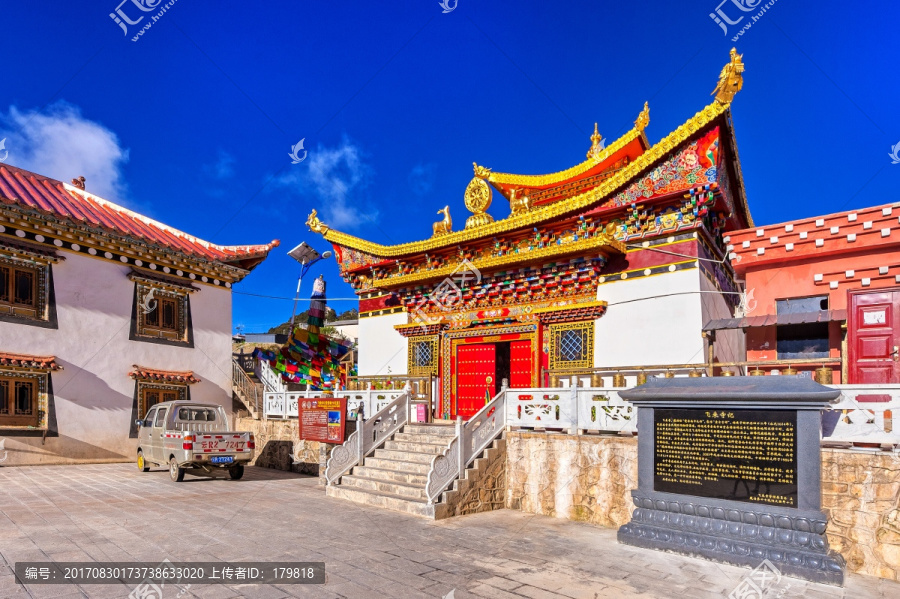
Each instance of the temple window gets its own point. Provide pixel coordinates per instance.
(161, 309)
(423, 356)
(801, 333)
(23, 288)
(572, 345)
(20, 399)
(150, 394)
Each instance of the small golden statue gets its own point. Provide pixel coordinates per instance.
(731, 79)
(445, 226)
(643, 118)
(597, 143)
(315, 224)
(517, 204)
(481, 172)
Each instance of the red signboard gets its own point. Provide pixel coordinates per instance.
(323, 419)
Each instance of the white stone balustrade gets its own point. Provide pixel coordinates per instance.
(868, 414)
(571, 409)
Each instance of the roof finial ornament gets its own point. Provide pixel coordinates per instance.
(731, 79)
(597, 143)
(79, 182)
(480, 171)
(315, 224)
(643, 119)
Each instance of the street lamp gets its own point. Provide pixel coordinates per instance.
(306, 256)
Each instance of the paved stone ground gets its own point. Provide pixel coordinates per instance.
(115, 513)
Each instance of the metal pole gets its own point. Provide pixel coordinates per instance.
(297, 297)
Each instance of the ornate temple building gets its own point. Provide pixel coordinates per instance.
(618, 260)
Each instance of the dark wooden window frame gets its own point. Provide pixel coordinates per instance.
(11, 414)
(155, 326)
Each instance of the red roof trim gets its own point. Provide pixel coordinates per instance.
(141, 373)
(49, 196)
(28, 361)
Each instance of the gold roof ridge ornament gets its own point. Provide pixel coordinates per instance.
(314, 224)
(643, 119)
(597, 143)
(731, 79)
(478, 200)
(443, 227)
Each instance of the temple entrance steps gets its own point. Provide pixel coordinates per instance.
(395, 476)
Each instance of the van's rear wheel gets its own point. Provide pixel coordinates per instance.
(236, 472)
(175, 472)
(141, 463)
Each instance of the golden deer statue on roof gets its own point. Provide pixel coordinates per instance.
(445, 226)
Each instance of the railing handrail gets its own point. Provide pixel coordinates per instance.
(243, 381)
(466, 445)
(367, 437)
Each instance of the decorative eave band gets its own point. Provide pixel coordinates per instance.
(24, 249)
(152, 375)
(540, 214)
(28, 362)
(155, 278)
(584, 311)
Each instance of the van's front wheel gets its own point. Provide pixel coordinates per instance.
(236, 472)
(175, 472)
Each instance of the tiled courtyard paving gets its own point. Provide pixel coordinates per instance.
(115, 513)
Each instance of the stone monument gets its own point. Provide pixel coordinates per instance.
(729, 469)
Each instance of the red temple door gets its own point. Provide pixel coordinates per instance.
(874, 339)
(520, 364)
(476, 367)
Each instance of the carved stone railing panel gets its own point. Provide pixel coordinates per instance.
(369, 435)
(865, 414)
(471, 439)
(604, 410)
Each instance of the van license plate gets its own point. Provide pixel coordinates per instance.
(221, 459)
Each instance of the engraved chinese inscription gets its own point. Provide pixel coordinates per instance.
(741, 455)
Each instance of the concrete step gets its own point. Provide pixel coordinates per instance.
(397, 465)
(383, 486)
(383, 500)
(404, 456)
(442, 440)
(416, 447)
(443, 430)
(397, 476)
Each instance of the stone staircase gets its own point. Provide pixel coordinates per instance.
(394, 477)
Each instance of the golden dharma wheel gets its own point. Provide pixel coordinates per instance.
(596, 380)
(823, 375)
(641, 378)
(618, 380)
(757, 372)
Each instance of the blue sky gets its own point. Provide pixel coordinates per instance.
(193, 123)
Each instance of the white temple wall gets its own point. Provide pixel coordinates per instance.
(729, 345)
(93, 394)
(381, 346)
(651, 320)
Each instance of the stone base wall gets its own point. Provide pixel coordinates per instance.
(481, 490)
(275, 446)
(861, 497)
(589, 478)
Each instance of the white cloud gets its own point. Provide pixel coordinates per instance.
(59, 142)
(223, 168)
(336, 176)
(421, 179)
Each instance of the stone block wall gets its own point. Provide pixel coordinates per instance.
(275, 446)
(482, 489)
(589, 478)
(861, 496)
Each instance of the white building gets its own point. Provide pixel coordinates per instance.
(103, 312)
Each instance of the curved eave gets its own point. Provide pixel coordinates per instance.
(540, 181)
(550, 211)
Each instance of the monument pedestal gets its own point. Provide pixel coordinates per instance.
(729, 470)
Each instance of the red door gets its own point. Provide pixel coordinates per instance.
(476, 367)
(874, 339)
(520, 364)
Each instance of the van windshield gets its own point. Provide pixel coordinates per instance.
(197, 414)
